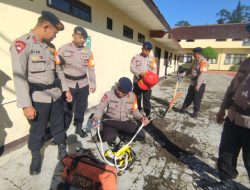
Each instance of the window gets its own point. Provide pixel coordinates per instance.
(221, 40)
(127, 32)
(141, 38)
(212, 61)
(234, 59)
(187, 58)
(109, 23)
(236, 39)
(72, 7)
(178, 40)
(189, 40)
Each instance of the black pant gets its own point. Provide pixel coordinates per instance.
(111, 128)
(233, 139)
(195, 97)
(78, 106)
(146, 98)
(46, 112)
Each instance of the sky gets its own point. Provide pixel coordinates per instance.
(196, 12)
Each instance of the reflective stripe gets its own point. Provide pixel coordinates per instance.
(91, 62)
(57, 59)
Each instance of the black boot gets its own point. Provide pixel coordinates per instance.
(79, 131)
(223, 185)
(36, 163)
(183, 109)
(62, 152)
(194, 114)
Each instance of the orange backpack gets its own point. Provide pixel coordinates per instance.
(88, 173)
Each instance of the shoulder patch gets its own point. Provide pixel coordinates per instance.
(20, 45)
(104, 98)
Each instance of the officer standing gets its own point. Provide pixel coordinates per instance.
(36, 67)
(121, 106)
(197, 85)
(140, 64)
(80, 76)
(236, 132)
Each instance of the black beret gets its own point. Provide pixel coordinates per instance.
(197, 50)
(53, 19)
(81, 30)
(147, 45)
(125, 84)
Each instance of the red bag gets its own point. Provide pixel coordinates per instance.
(88, 173)
(148, 80)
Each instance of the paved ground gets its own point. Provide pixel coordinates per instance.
(179, 152)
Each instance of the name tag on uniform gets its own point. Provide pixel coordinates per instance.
(35, 51)
(37, 58)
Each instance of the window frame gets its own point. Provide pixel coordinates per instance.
(233, 57)
(72, 3)
(140, 36)
(124, 33)
(109, 21)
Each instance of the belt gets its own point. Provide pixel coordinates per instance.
(242, 111)
(75, 77)
(42, 87)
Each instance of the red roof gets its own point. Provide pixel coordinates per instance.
(217, 31)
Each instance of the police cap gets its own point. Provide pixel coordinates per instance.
(197, 50)
(147, 45)
(81, 30)
(52, 19)
(125, 85)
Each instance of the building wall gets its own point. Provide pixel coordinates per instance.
(222, 48)
(112, 51)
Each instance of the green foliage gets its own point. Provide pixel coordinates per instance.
(224, 16)
(239, 15)
(209, 53)
(234, 68)
(183, 23)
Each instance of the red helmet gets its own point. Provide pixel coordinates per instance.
(148, 80)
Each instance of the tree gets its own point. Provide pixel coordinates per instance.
(183, 23)
(209, 53)
(224, 16)
(239, 15)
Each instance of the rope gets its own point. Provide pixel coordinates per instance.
(117, 153)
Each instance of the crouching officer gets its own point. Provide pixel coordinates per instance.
(197, 84)
(140, 64)
(236, 132)
(37, 89)
(79, 69)
(121, 106)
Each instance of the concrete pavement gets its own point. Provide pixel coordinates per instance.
(179, 152)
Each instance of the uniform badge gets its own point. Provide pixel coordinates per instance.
(104, 98)
(20, 45)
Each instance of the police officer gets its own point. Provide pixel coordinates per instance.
(79, 72)
(236, 132)
(197, 85)
(35, 67)
(121, 106)
(140, 64)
